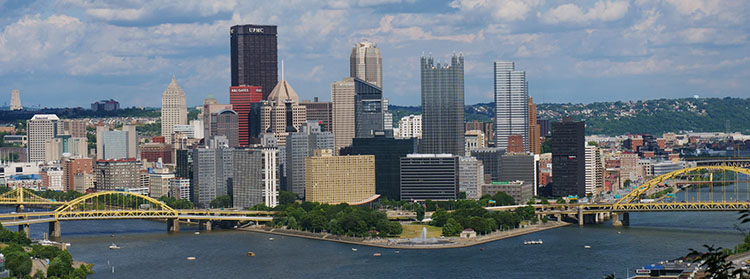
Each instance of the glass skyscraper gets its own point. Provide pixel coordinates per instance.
(254, 56)
(368, 109)
(442, 106)
(511, 104)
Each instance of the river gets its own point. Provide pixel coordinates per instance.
(148, 251)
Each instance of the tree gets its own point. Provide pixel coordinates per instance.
(501, 198)
(286, 197)
(59, 268)
(545, 201)
(714, 260)
(291, 223)
(461, 195)
(439, 217)
(452, 228)
(420, 213)
(19, 263)
(395, 228)
(224, 201)
(627, 183)
(560, 200)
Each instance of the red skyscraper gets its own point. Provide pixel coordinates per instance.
(241, 97)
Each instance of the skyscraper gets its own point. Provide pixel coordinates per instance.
(173, 109)
(568, 158)
(41, 127)
(368, 109)
(254, 56)
(322, 112)
(342, 97)
(299, 146)
(535, 145)
(212, 174)
(115, 145)
(241, 98)
(15, 100)
(511, 104)
(366, 63)
(442, 106)
(283, 114)
(388, 153)
(210, 106)
(256, 178)
(225, 123)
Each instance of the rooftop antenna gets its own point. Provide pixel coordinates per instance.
(282, 69)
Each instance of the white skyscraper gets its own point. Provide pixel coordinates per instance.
(366, 63)
(410, 127)
(594, 169)
(511, 104)
(15, 100)
(41, 127)
(173, 109)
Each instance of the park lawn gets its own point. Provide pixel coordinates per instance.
(414, 230)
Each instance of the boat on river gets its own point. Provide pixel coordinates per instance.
(533, 242)
(114, 247)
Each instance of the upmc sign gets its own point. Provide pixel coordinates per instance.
(255, 30)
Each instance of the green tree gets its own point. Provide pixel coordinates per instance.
(714, 260)
(420, 213)
(439, 217)
(395, 228)
(292, 223)
(627, 183)
(19, 263)
(58, 268)
(452, 227)
(544, 201)
(286, 197)
(224, 201)
(560, 200)
(501, 198)
(461, 195)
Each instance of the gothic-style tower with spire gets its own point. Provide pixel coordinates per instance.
(173, 109)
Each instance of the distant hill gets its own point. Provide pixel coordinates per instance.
(617, 118)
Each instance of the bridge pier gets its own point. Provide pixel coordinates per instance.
(626, 218)
(54, 229)
(208, 226)
(173, 225)
(616, 220)
(580, 216)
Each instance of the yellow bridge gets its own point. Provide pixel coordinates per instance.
(636, 200)
(113, 205)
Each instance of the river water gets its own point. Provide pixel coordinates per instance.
(148, 251)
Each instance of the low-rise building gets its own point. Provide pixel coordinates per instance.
(519, 190)
(429, 177)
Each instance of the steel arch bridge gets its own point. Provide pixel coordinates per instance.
(111, 205)
(631, 201)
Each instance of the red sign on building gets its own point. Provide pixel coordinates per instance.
(241, 97)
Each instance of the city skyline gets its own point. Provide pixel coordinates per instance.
(623, 50)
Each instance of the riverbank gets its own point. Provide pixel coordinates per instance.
(385, 243)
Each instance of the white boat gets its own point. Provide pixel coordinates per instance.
(270, 238)
(190, 258)
(354, 249)
(114, 246)
(197, 233)
(587, 247)
(533, 242)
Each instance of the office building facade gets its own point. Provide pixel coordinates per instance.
(114, 175)
(212, 174)
(342, 97)
(522, 167)
(366, 63)
(41, 127)
(299, 146)
(368, 109)
(491, 160)
(470, 176)
(410, 127)
(173, 109)
(283, 114)
(116, 144)
(388, 153)
(226, 123)
(429, 177)
(511, 104)
(256, 177)
(254, 56)
(321, 112)
(442, 106)
(568, 158)
(241, 98)
(340, 179)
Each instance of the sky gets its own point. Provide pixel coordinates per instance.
(74, 52)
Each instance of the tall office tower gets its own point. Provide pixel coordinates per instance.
(212, 174)
(568, 158)
(594, 170)
(368, 109)
(74, 127)
(429, 177)
(342, 97)
(299, 146)
(254, 56)
(225, 123)
(41, 127)
(511, 104)
(387, 116)
(388, 153)
(321, 112)
(210, 106)
(340, 179)
(535, 142)
(283, 114)
(173, 109)
(410, 127)
(116, 144)
(470, 176)
(366, 63)
(256, 177)
(15, 100)
(442, 106)
(241, 98)
(158, 182)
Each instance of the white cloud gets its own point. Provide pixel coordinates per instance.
(604, 10)
(505, 10)
(723, 10)
(34, 42)
(394, 34)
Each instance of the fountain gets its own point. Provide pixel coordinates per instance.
(422, 239)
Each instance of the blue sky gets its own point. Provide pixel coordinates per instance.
(73, 52)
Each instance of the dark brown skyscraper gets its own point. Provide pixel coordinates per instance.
(254, 56)
(568, 158)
